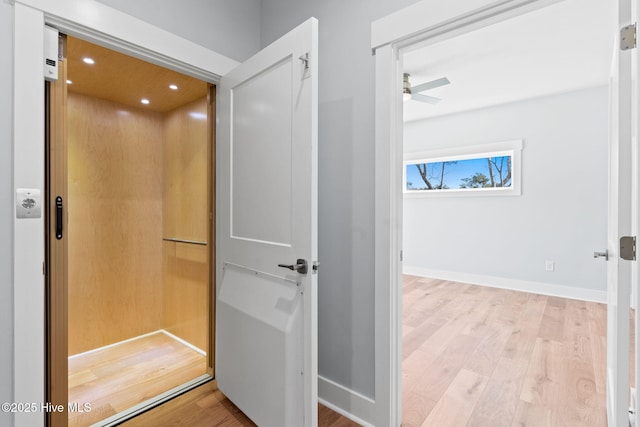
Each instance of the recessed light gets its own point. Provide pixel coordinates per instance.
(69, 82)
(145, 101)
(173, 87)
(88, 60)
(198, 115)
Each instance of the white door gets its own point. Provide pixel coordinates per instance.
(619, 270)
(266, 312)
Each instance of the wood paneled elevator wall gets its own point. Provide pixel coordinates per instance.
(135, 177)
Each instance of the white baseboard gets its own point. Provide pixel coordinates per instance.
(159, 331)
(183, 342)
(511, 284)
(358, 408)
(115, 344)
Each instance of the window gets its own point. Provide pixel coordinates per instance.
(489, 169)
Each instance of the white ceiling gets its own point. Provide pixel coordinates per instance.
(559, 48)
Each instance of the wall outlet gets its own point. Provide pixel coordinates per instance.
(549, 265)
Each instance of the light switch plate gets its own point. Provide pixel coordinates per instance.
(28, 203)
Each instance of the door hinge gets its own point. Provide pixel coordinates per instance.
(305, 60)
(628, 248)
(628, 37)
(306, 65)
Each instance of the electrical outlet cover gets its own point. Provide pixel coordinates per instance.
(28, 203)
(549, 265)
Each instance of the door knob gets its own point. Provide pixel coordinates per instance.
(300, 266)
(604, 255)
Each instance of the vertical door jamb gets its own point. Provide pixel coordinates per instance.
(211, 192)
(56, 250)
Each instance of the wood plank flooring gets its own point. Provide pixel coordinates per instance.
(476, 356)
(472, 356)
(116, 378)
(206, 406)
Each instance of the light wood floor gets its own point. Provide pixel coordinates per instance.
(472, 356)
(477, 356)
(206, 406)
(116, 378)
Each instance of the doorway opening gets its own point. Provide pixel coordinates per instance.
(461, 226)
(518, 110)
(130, 240)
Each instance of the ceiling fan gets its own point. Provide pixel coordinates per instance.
(409, 92)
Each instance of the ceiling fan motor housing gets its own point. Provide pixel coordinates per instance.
(406, 86)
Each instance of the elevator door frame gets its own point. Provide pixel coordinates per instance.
(106, 26)
(56, 252)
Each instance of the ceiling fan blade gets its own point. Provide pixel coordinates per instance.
(430, 85)
(425, 98)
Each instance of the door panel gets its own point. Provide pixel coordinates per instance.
(261, 156)
(260, 371)
(266, 327)
(619, 270)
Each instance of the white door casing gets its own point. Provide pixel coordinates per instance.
(101, 24)
(414, 26)
(619, 224)
(266, 315)
(635, 200)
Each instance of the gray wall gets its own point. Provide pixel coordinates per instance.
(346, 193)
(6, 209)
(561, 214)
(229, 27)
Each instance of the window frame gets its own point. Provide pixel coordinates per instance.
(511, 148)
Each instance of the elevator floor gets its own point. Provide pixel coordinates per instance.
(114, 379)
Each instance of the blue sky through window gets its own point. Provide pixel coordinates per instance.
(456, 172)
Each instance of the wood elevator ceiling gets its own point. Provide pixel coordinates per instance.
(126, 80)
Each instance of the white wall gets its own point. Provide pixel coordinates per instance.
(346, 159)
(6, 209)
(229, 27)
(560, 216)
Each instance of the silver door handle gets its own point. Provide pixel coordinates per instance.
(300, 266)
(604, 255)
